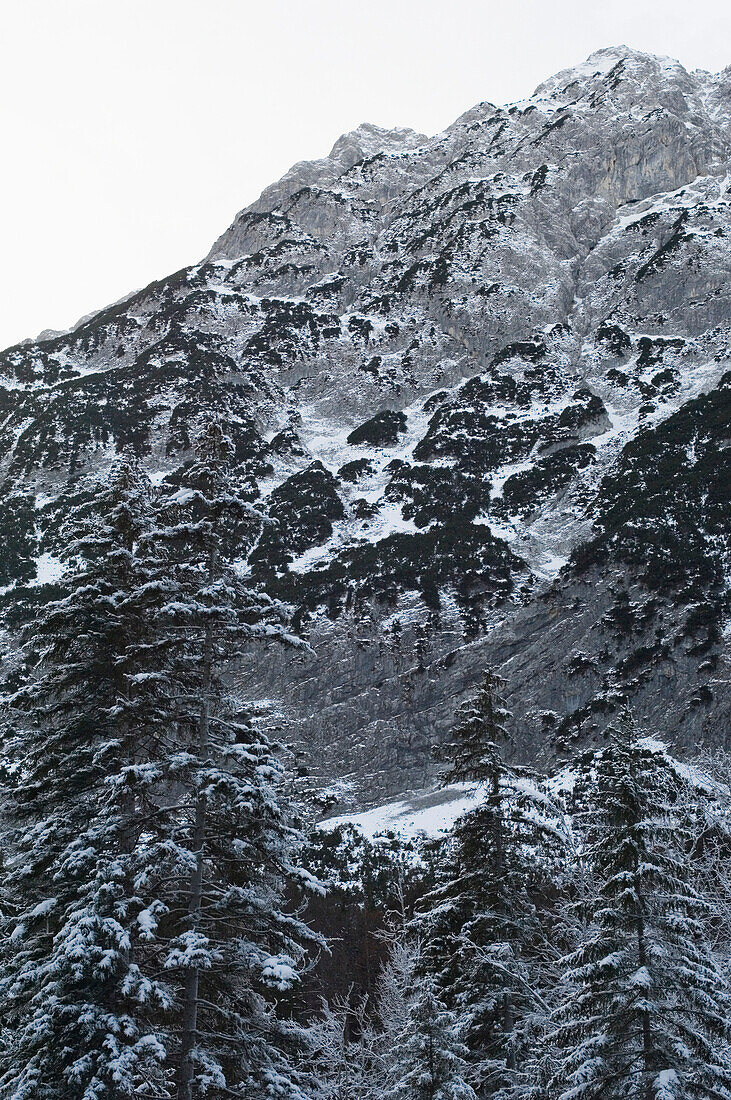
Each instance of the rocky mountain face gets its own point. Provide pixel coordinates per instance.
(482, 383)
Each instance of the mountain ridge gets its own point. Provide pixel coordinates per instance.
(480, 381)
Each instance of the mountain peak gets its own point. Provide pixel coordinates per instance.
(613, 63)
(365, 141)
(368, 140)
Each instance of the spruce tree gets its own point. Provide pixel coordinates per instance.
(232, 950)
(77, 1005)
(152, 846)
(646, 1011)
(479, 738)
(430, 1060)
(484, 941)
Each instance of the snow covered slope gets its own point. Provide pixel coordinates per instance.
(481, 381)
(430, 812)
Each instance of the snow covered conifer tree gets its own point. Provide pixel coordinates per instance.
(77, 1005)
(479, 737)
(430, 1059)
(647, 1012)
(151, 847)
(233, 949)
(483, 939)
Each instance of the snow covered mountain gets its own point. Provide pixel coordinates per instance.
(482, 382)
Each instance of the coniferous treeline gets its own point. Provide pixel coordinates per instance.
(567, 940)
(571, 940)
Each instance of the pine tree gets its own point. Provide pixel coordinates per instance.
(480, 735)
(431, 1059)
(233, 950)
(152, 844)
(484, 941)
(76, 1003)
(646, 1010)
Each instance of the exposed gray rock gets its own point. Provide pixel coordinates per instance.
(539, 299)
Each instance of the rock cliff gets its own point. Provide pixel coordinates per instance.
(482, 383)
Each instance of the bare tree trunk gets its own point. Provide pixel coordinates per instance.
(189, 1032)
(499, 833)
(647, 1051)
(190, 986)
(508, 1025)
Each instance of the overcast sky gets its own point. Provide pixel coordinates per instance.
(133, 131)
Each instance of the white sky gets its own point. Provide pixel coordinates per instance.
(132, 131)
